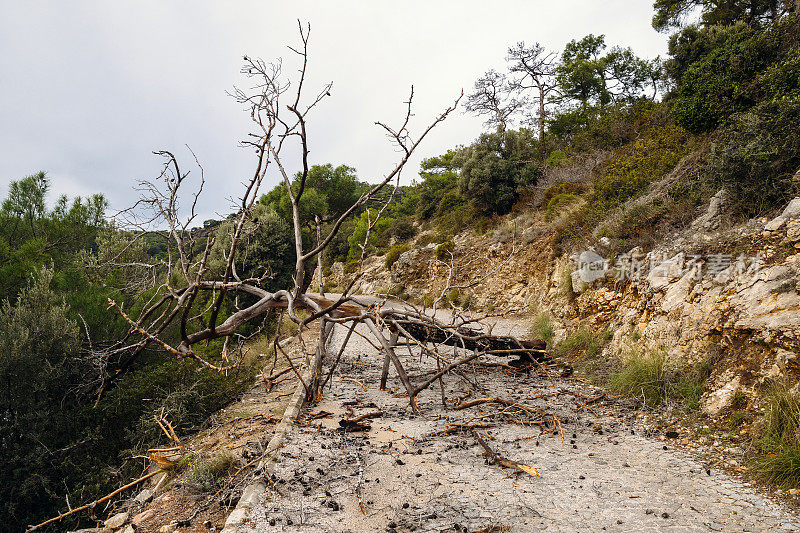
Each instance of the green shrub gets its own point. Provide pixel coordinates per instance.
(588, 128)
(457, 219)
(782, 78)
(495, 166)
(581, 342)
(350, 267)
(439, 177)
(756, 155)
(437, 238)
(482, 225)
(556, 203)
(722, 70)
(638, 164)
(445, 250)
(399, 291)
(583, 348)
(712, 87)
(542, 328)
(559, 189)
(394, 254)
(779, 439)
(402, 229)
(555, 158)
(359, 235)
(653, 378)
(452, 298)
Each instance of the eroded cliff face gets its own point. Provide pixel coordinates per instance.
(727, 296)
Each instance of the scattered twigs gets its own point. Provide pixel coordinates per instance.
(167, 428)
(526, 415)
(496, 458)
(354, 380)
(366, 416)
(460, 428)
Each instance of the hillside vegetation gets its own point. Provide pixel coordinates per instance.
(602, 145)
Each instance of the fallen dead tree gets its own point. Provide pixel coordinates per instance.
(230, 304)
(466, 338)
(190, 303)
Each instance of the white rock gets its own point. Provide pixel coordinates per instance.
(578, 285)
(710, 219)
(145, 496)
(117, 521)
(792, 211)
(793, 230)
(722, 397)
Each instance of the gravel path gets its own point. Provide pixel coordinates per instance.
(598, 473)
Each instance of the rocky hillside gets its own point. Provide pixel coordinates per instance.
(727, 298)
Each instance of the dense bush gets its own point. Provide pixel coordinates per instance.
(495, 166)
(586, 129)
(265, 248)
(556, 203)
(653, 378)
(402, 229)
(721, 70)
(38, 416)
(560, 195)
(358, 239)
(428, 238)
(567, 187)
(756, 155)
(439, 179)
(57, 269)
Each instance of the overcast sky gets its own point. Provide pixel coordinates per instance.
(89, 89)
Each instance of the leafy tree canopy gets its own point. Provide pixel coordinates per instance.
(590, 76)
(495, 166)
(328, 193)
(674, 13)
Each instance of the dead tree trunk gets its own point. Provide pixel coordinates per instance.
(279, 109)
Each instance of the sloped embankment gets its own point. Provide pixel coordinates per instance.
(727, 297)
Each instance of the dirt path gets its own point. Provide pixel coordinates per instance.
(598, 473)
